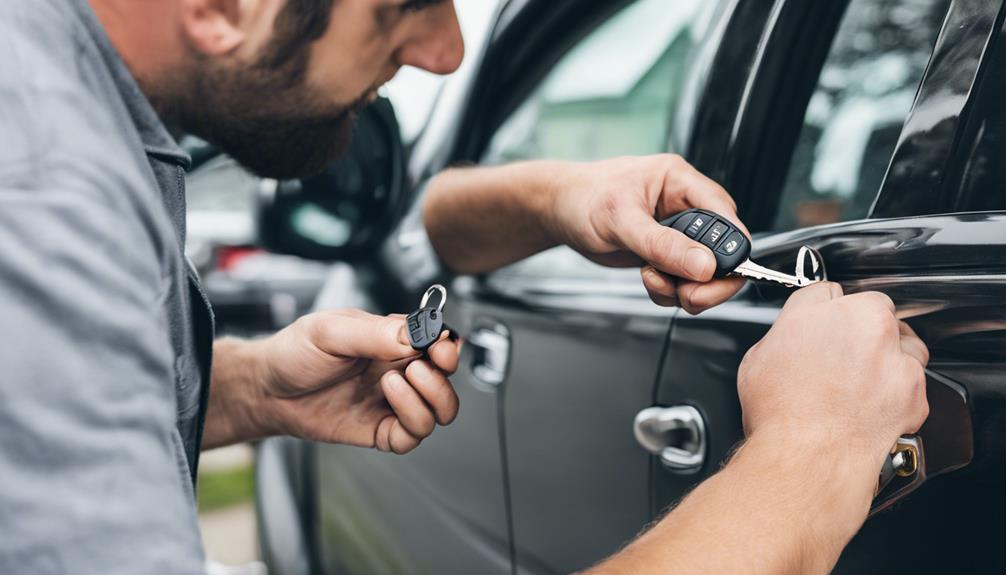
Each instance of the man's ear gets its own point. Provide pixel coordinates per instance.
(213, 27)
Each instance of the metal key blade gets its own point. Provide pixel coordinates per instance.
(751, 270)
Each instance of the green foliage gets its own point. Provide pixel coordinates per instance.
(226, 488)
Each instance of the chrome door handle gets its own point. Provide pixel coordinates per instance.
(676, 434)
(490, 354)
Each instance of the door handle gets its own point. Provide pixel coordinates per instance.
(675, 434)
(490, 354)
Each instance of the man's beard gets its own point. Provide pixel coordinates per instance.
(272, 124)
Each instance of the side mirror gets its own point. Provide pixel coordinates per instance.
(348, 209)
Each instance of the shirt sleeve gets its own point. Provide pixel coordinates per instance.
(88, 441)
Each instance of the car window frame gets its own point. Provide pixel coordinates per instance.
(917, 188)
(800, 40)
(985, 96)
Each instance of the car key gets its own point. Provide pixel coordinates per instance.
(427, 323)
(905, 461)
(732, 249)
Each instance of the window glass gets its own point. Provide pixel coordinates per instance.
(864, 94)
(613, 94)
(983, 181)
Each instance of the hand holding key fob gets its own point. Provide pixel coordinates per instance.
(732, 250)
(727, 242)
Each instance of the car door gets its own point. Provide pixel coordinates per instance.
(863, 135)
(573, 348)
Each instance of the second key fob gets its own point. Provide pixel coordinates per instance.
(730, 246)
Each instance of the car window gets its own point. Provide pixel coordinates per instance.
(983, 179)
(864, 93)
(612, 94)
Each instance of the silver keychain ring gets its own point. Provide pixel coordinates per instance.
(817, 266)
(435, 289)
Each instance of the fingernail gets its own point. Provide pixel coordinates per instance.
(699, 263)
(396, 381)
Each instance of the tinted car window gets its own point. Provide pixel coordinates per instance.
(612, 94)
(983, 185)
(864, 93)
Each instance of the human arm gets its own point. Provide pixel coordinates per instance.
(479, 219)
(338, 377)
(822, 409)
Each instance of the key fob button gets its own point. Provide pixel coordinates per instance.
(732, 244)
(715, 234)
(697, 224)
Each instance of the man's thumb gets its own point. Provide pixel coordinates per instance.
(669, 250)
(359, 334)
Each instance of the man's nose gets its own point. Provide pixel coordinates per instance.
(439, 47)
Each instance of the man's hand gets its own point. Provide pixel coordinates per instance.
(609, 212)
(825, 395)
(479, 219)
(337, 377)
(838, 369)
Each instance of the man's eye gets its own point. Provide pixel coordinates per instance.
(418, 5)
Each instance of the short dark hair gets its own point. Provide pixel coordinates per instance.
(298, 25)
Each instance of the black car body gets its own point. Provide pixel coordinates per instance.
(873, 130)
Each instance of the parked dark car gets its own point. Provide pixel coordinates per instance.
(873, 130)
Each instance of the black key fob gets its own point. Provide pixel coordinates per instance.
(427, 323)
(730, 246)
(424, 326)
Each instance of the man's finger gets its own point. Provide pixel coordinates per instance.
(688, 188)
(666, 249)
(876, 298)
(392, 437)
(912, 345)
(362, 335)
(407, 404)
(445, 353)
(815, 293)
(435, 389)
(661, 288)
(698, 297)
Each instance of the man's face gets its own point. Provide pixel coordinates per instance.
(283, 105)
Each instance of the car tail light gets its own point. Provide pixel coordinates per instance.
(228, 257)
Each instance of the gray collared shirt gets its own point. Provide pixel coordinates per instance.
(105, 335)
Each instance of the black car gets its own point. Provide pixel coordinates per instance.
(872, 130)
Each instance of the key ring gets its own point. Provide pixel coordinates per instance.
(434, 289)
(817, 266)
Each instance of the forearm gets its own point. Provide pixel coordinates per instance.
(479, 219)
(770, 510)
(235, 394)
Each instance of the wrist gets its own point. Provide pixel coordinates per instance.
(239, 395)
(548, 201)
(830, 482)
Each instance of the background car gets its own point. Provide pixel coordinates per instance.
(872, 130)
(253, 291)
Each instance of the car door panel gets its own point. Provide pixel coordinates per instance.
(947, 276)
(579, 372)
